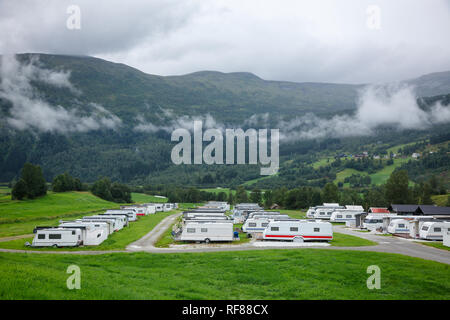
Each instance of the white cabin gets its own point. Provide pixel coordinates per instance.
(434, 230)
(57, 237)
(298, 230)
(206, 231)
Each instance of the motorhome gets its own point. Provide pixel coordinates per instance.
(92, 233)
(206, 231)
(118, 220)
(131, 214)
(397, 226)
(298, 230)
(375, 221)
(434, 230)
(56, 237)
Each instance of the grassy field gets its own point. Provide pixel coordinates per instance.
(4, 191)
(435, 244)
(345, 240)
(440, 200)
(269, 274)
(145, 198)
(381, 176)
(116, 241)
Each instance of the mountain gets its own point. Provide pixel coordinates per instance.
(130, 96)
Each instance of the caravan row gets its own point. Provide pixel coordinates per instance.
(88, 231)
(334, 212)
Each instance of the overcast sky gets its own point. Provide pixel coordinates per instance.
(326, 41)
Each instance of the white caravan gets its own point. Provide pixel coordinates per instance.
(311, 211)
(111, 223)
(140, 210)
(398, 226)
(159, 207)
(206, 231)
(151, 208)
(343, 215)
(118, 220)
(434, 230)
(92, 233)
(57, 237)
(131, 214)
(259, 223)
(123, 218)
(375, 221)
(258, 213)
(324, 212)
(196, 214)
(298, 230)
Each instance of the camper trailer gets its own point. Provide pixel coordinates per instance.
(298, 230)
(159, 207)
(343, 215)
(434, 230)
(311, 211)
(206, 231)
(123, 217)
(324, 212)
(92, 233)
(397, 226)
(56, 237)
(131, 214)
(259, 223)
(118, 220)
(140, 210)
(111, 223)
(375, 221)
(190, 214)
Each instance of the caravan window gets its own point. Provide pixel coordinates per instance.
(41, 236)
(73, 231)
(425, 228)
(274, 229)
(316, 229)
(321, 213)
(54, 236)
(252, 224)
(204, 229)
(191, 230)
(98, 236)
(437, 229)
(339, 216)
(348, 216)
(265, 224)
(401, 225)
(294, 228)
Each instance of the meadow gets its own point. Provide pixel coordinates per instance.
(268, 274)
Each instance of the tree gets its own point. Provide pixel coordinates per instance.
(120, 193)
(397, 190)
(268, 198)
(19, 190)
(32, 181)
(241, 195)
(426, 194)
(230, 197)
(330, 193)
(101, 188)
(255, 196)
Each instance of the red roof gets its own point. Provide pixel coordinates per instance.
(379, 210)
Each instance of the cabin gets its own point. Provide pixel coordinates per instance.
(56, 237)
(206, 231)
(298, 230)
(403, 209)
(431, 210)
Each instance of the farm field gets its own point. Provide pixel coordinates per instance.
(268, 274)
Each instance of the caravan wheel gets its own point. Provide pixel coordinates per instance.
(207, 240)
(298, 239)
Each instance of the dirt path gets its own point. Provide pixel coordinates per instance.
(385, 244)
(4, 239)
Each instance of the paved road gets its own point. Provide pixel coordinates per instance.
(385, 244)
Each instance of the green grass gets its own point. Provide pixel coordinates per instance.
(145, 198)
(322, 162)
(116, 241)
(20, 217)
(440, 200)
(345, 240)
(268, 274)
(382, 175)
(4, 191)
(435, 244)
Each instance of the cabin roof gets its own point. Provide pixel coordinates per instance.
(432, 210)
(403, 208)
(378, 210)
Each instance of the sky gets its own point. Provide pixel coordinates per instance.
(349, 41)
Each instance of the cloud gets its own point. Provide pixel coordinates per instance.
(30, 111)
(326, 41)
(391, 105)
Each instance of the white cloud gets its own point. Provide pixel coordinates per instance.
(30, 111)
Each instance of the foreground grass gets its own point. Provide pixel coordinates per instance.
(269, 274)
(435, 244)
(345, 240)
(116, 241)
